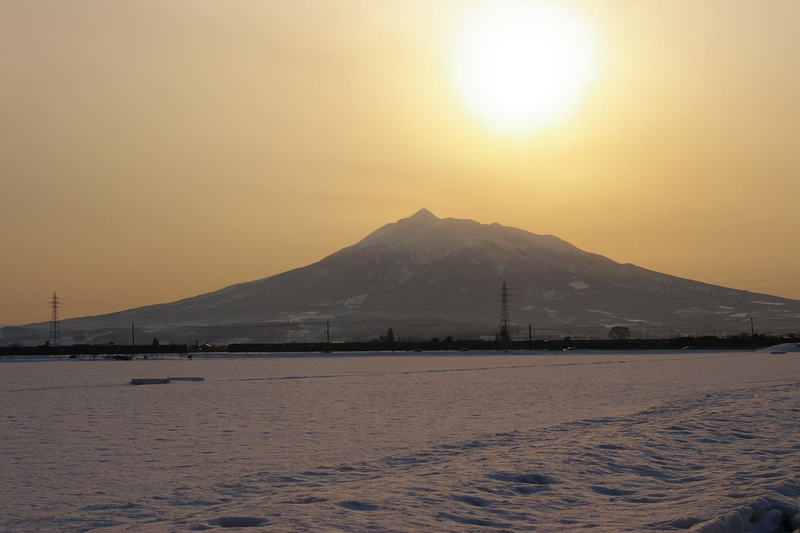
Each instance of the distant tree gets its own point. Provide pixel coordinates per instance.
(389, 335)
(619, 333)
(155, 341)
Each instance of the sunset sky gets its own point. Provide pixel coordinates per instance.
(153, 150)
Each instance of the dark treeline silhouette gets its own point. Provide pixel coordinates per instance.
(435, 344)
(390, 343)
(96, 349)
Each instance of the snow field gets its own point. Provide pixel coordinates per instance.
(604, 442)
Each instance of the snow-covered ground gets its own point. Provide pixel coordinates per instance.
(600, 441)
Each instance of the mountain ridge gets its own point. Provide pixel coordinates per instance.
(448, 272)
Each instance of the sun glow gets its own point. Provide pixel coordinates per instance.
(522, 65)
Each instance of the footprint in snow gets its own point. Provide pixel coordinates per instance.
(237, 521)
(355, 505)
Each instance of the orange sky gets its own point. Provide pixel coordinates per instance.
(154, 150)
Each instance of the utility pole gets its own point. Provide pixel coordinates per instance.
(752, 334)
(530, 337)
(327, 336)
(54, 338)
(133, 335)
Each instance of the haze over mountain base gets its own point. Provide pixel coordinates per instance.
(424, 276)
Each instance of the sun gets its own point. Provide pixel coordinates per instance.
(522, 66)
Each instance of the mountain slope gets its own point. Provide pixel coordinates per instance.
(429, 275)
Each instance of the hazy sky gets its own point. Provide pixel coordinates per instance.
(152, 150)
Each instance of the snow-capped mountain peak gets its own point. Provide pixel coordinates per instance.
(430, 237)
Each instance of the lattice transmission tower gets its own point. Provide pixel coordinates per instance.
(504, 335)
(54, 339)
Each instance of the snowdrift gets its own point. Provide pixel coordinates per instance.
(761, 516)
(789, 347)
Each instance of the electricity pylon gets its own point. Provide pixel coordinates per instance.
(54, 339)
(504, 336)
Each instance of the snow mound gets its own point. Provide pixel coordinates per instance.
(761, 516)
(793, 347)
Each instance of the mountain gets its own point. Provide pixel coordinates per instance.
(426, 276)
